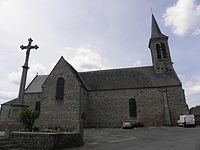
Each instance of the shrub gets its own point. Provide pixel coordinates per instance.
(28, 116)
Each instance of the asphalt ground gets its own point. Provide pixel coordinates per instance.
(152, 138)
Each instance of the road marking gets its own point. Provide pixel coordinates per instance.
(121, 140)
(94, 143)
(97, 137)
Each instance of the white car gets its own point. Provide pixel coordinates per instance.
(186, 120)
(127, 124)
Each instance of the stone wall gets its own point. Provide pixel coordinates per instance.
(197, 119)
(83, 105)
(10, 115)
(177, 103)
(10, 118)
(196, 112)
(47, 141)
(103, 108)
(5, 115)
(60, 113)
(158, 65)
(109, 108)
(32, 98)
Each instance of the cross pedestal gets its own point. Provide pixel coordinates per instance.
(19, 105)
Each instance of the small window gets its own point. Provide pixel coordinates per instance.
(158, 50)
(60, 89)
(37, 106)
(83, 116)
(132, 108)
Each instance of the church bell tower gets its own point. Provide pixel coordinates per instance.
(158, 45)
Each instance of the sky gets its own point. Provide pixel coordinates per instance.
(97, 34)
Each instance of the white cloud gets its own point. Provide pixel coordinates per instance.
(20, 21)
(14, 79)
(193, 90)
(183, 17)
(35, 68)
(137, 63)
(84, 59)
(197, 32)
(5, 96)
(192, 86)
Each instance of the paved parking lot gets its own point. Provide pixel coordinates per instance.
(153, 138)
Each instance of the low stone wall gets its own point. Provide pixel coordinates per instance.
(12, 125)
(197, 119)
(47, 141)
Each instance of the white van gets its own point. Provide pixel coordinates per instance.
(186, 120)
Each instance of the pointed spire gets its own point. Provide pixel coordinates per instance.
(155, 30)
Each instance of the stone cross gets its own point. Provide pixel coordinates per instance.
(28, 47)
(25, 69)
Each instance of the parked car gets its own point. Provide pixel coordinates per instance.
(186, 120)
(127, 124)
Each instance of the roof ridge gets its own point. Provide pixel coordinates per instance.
(116, 69)
(43, 75)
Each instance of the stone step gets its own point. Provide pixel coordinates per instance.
(7, 147)
(17, 149)
(6, 144)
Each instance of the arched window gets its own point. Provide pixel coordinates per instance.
(164, 50)
(158, 50)
(60, 89)
(132, 108)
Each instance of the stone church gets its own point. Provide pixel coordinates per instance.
(152, 95)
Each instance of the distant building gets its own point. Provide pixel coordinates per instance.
(196, 112)
(152, 95)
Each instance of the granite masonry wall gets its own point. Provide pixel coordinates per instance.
(177, 103)
(109, 108)
(60, 113)
(160, 65)
(83, 106)
(9, 118)
(106, 108)
(103, 108)
(32, 98)
(10, 115)
(47, 141)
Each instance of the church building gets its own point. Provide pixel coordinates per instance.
(151, 95)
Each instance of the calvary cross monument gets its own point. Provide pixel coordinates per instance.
(25, 69)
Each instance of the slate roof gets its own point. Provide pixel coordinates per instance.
(141, 77)
(155, 30)
(125, 78)
(36, 85)
(14, 101)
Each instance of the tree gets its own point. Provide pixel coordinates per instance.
(28, 116)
